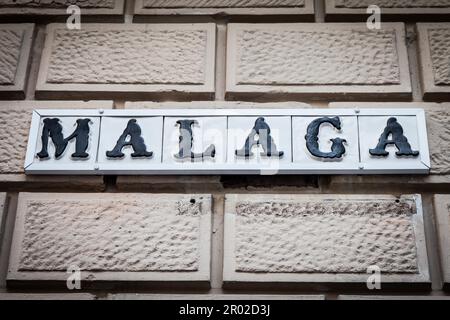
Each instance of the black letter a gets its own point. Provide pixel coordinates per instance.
(136, 141)
(262, 129)
(400, 141)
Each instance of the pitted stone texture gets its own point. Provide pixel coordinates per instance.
(15, 50)
(57, 3)
(15, 119)
(112, 233)
(438, 120)
(132, 57)
(323, 238)
(393, 3)
(293, 57)
(11, 40)
(222, 4)
(13, 145)
(434, 54)
(442, 210)
(331, 237)
(440, 55)
(312, 57)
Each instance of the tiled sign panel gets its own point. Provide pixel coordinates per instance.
(228, 141)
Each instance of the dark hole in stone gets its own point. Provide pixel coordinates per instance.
(192, 201)
(298, 181)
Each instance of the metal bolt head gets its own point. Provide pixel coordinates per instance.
(101, 111)
(357, 110)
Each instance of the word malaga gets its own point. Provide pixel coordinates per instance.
(228, 143)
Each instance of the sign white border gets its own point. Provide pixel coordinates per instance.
(31, 167)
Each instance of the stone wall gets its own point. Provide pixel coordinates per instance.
(212, 237)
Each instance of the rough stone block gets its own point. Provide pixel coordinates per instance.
(434, 54)
(116, 60)
(317, 61)
(18, 9)
(347, 10)
(300, 8)
(16, 40)
(115, 238)
(437, 119)
(442, 210)
(324, 240)
(15, 120)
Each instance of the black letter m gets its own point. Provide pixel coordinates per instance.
(53, 129)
